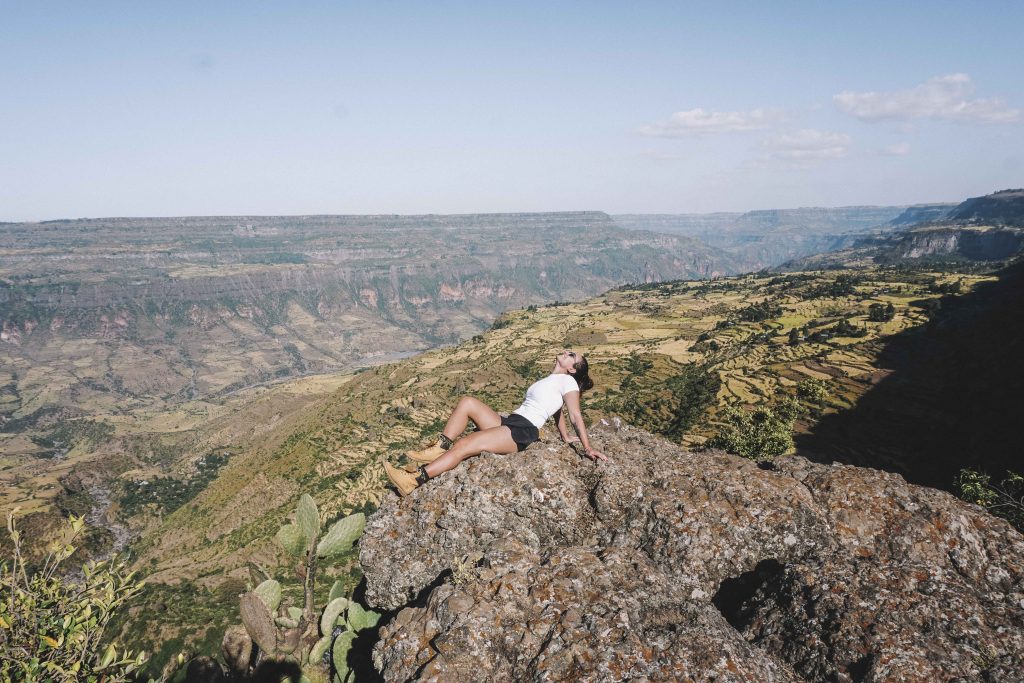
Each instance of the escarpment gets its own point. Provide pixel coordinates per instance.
(665, 565)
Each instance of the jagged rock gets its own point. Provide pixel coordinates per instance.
(664, 565)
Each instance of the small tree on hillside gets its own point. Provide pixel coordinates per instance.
(759, 434)
(51, 625)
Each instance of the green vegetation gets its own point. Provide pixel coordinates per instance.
(662, 396)
(69, 433)
(844, 285)
(879, 314)
(51, 625)
(759, 434)
(756, 313)
(311, 637)
(167, 494)
(1003, 499)
(844, 328)
(946, 287)
(812, 391)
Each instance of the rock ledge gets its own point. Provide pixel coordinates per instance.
(663, 565)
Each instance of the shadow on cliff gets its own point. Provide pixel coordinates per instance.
(953, 399)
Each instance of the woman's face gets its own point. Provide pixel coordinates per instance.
(567, 360)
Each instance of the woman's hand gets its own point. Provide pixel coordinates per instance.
(570, 439)
(594, 454)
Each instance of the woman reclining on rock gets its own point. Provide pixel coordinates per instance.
(569, 377)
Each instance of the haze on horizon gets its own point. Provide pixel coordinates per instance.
(134, 109)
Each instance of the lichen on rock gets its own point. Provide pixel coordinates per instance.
(664, 565)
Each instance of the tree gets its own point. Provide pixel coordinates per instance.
(880, 314)
(760, 434)
(51, 626)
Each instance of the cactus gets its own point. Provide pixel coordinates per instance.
(292, 540)
(339, 655)
(257, 573)
(308, 517)
(270, 593)
(359, 618)
(316, 654)
(331, 613)
(290, 640)
(337, 590)
(291, 632)
(258, 622)
(341, 536)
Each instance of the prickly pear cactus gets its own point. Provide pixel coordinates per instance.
(270, 593)
(339, 655)
(331, 613)
(279, 631)
(292, 540)
(341, 536)
(308, 517)
(259, 622)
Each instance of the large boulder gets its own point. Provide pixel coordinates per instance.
(665, 565)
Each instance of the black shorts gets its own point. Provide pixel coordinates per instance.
(523, 431)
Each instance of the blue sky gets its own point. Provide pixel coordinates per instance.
(135, 108)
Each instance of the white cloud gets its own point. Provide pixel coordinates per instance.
(698, 122)
(943, 98)
(898, 149)
(807, 145)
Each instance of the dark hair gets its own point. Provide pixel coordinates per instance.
(582, 374)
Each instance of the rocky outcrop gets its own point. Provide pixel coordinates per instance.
(1005, 207)
(664, 565)
(958, 242)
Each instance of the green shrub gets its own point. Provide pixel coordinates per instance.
(1004, 499)
(665, 405)
(170, 493)
(756, 313)
(51, 625)
(813, 390)
(879, 314)
(760, 434)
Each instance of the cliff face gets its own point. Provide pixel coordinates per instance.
(666, 565)
(999, 208)
(922, 213)
(164, 310)
(975, 245)
(766, 238)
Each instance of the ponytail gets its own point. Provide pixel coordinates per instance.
(582, 375)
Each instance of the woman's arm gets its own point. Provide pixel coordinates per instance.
(560, 423)
(572, 403)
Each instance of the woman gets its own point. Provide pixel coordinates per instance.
(569, 377)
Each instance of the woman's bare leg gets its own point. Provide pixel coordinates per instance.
(495, 439)
(469, 408)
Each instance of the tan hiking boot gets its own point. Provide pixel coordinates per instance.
(403, 481)
(427, 455)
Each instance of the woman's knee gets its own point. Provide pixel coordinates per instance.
(468, 402)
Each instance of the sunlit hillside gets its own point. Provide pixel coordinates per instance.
(670, 357)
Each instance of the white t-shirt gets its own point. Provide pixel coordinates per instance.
(544, 398)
